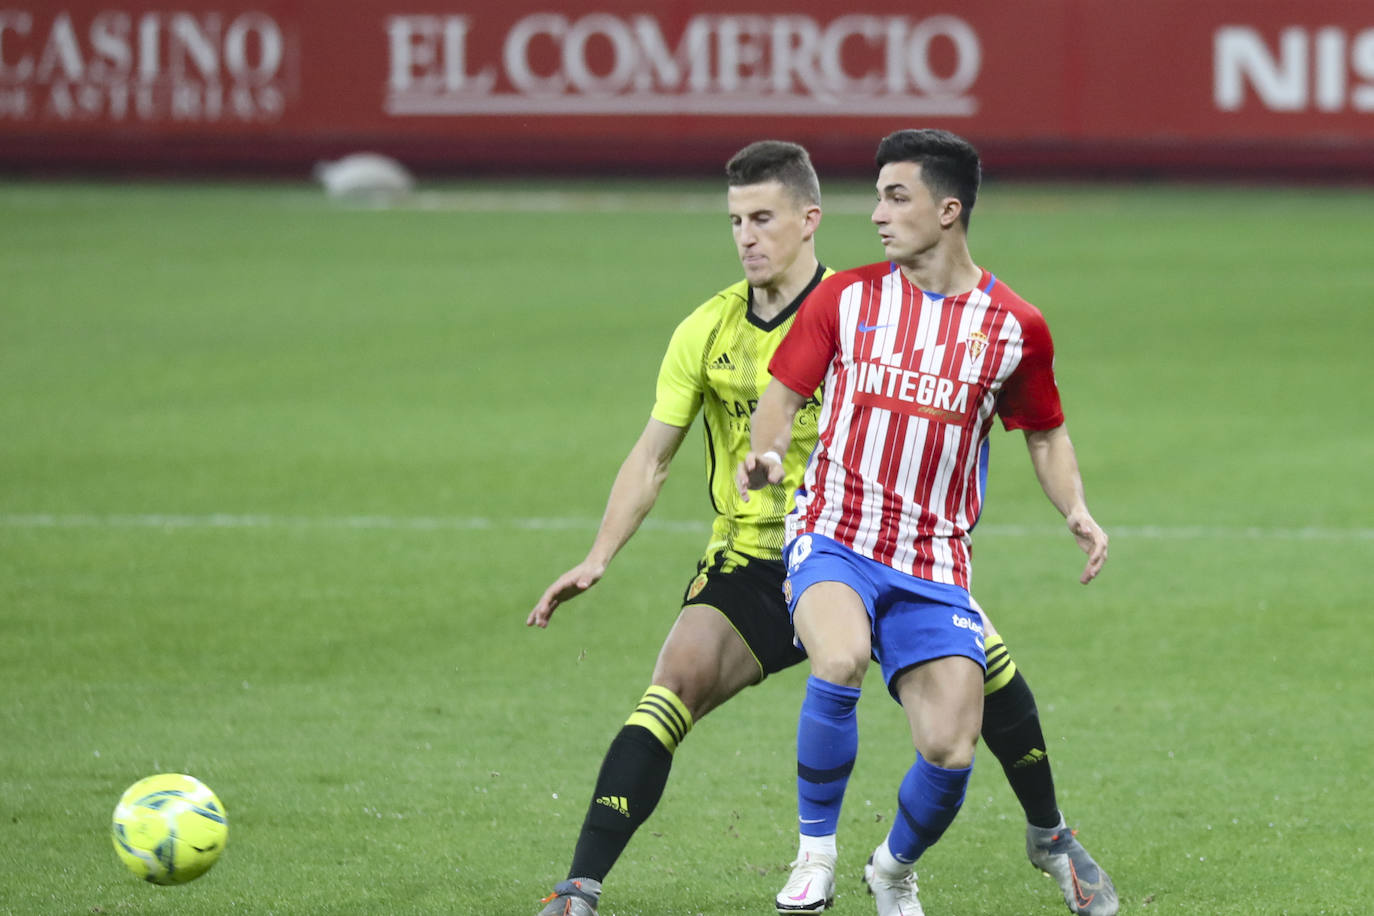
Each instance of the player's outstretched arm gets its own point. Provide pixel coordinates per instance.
(1056, 465)
(770, 435)
(633, 494)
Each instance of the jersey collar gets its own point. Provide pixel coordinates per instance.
(786, 313)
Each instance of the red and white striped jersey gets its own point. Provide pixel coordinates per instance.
(912, 382)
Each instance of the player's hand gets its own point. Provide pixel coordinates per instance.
(1092, 540)
(756, 472)
(565, 588)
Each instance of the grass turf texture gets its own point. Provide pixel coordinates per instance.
(279, 481)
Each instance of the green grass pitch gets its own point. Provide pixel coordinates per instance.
(279, 481)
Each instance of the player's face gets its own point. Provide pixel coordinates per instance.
(908, 217)
(770, 228)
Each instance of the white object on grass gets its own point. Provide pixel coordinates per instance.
(364, 175)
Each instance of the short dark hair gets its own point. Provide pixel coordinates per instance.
(776, 160)
(950, 166)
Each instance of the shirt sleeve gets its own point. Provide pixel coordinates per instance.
(680, 379)
(804, 355)
(1029, 399)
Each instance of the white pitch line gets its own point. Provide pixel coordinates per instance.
(481, 523)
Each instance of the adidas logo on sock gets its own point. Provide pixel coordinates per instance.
(1035, 756)
(616, 803)
(722, 363)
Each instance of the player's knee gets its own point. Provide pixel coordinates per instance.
(846, 669)
(694, 688)
(703, 680)
(947, 738)
(948, 751)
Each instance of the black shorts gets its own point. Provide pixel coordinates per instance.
(748, 591)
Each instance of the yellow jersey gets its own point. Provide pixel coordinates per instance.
(717, 363)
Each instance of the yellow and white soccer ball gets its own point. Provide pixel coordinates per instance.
(169, 828)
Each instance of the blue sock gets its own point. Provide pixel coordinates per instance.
(827, 743)
(929, 798)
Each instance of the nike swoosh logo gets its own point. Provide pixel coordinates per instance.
(865, 328)
(1083, 901)
(810, 820)
(802, 895)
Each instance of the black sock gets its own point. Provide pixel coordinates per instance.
(631, 782)
(1011, 730)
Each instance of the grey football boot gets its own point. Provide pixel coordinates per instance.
(1056, 851)
(574, 897)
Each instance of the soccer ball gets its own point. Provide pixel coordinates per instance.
(169, 828)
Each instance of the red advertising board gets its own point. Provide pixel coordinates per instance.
(1218, 86)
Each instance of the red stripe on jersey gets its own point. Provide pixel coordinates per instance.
(912, 384)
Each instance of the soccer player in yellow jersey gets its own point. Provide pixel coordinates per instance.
(734, 629)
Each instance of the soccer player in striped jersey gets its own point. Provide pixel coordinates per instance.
(919, 355)
(733, 628)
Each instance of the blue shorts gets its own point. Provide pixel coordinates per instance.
(913, 620)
